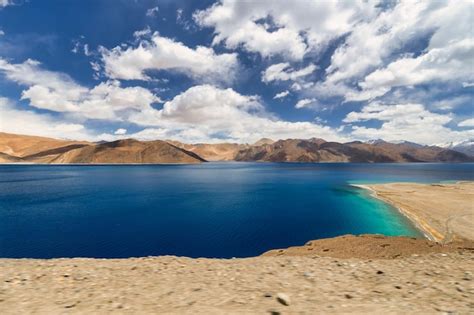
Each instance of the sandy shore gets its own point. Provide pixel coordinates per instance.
(442, 211)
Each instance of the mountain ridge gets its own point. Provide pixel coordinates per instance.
(31, 149)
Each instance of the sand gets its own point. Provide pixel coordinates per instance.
(372, 246)
(442, 211)
(433, 283)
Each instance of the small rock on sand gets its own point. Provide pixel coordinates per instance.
(283, 299)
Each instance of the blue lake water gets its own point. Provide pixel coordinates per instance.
(207, 210)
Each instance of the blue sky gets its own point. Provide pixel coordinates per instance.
(228, 71)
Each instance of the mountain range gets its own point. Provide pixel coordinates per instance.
(32, 149)
(466, 147)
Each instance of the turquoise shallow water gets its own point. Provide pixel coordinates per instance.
(208, 210)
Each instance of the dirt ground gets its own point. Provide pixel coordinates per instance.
(440, 282)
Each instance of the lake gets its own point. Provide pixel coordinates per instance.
(208, 210)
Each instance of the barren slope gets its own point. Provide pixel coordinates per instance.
(129, 151)
(24, 146)
(212, 152)
(317, 150)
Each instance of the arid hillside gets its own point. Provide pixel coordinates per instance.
(28, 149)
(318, 150)
(31, 149)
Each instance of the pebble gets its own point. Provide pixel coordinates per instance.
(467, 276)
(283, 299)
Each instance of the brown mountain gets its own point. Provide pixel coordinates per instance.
(33, 148)
(318, 150)
(264, 141)
(213, 152)
(21, 148)
(6, 158)
(18, 148)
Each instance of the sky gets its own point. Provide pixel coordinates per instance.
(238, 71)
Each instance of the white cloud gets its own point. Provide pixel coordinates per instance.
(411, 122)
(452, 103)
(58, 92)
(2, 33)
(161, 53)
(370, 42)
(467, 123)
(4, 3)
(142, 33)
(305, 102)
(377, 53)
(152, 11)
(205, 113)
(283, 72)
(289, 28)
(87, 51)
(201, 113)
(437, 65)
(18, 121)
(120, 131)
(281, 94)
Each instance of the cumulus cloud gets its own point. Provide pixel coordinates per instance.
(372, 41)
(283, 72)
(378, 53)
(161, 53)
(281, 94)
(28, 122)
(201, 113)
(412, 122)
(437, 65)
(288, 28)
(206, 113)
(60, 93)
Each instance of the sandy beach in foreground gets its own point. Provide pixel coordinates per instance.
(442, 211)
(348, 274)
